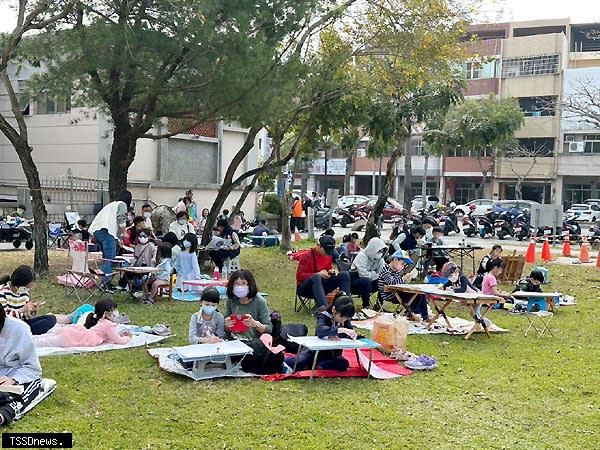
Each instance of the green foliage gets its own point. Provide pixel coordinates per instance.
(482, 124)
(271, 203)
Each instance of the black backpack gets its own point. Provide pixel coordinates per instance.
(262, 361)
(291, 329)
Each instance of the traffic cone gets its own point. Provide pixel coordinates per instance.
(598, 260)
(546, 254)
(297, 235)
(530, 255)
(584, 254)
(567, 246)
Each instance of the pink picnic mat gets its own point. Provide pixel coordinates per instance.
(382, 368)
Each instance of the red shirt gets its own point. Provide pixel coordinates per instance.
(310, 263)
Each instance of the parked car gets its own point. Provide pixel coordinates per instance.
(481, 207)
(592, 201)
(417, 202)
(514, 207)
(584, 212)
(348, 200)
(392, 207)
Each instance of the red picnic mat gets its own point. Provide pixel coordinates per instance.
(383, 367)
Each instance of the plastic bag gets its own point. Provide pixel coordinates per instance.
(391, 333)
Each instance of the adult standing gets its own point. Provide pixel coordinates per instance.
(296, 214)
(108, 227)
(19, 365)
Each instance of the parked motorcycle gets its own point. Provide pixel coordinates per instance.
(521, 227)
(470, 226)
(503, 225)
(486, 225)
(572, 228)
(346, 216)
(322, 216)
(449, 223)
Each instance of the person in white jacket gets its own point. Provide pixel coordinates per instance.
(19, 365)
(365, 269)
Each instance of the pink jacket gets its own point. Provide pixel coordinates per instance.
(104, 332)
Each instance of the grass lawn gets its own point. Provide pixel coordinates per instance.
(509, 391)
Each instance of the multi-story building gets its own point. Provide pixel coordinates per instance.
(79, 139)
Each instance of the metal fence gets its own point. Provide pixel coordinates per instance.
(70, 190)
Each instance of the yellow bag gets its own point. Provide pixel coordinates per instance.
(391, 333)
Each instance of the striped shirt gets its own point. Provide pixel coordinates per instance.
(12, 303)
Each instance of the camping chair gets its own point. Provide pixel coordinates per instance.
(57, 238)
(301, 302)
(80, 279)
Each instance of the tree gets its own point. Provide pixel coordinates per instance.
(31, 16)
(581, 102)
(481, 126)
(525, 153)
(188, 62)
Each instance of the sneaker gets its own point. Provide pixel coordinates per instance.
(120, 288)
(147, 301)
(123, 319)
(161, 329)
(138, 294)
(422, 362)
(107, 288)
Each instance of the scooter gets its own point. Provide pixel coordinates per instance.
(322, 216)
(346, 216)
(449, 223)
(572, 228)
(486, 225)
(503, 226)
(469, 225)
(521, 227)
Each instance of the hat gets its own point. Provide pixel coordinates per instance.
(448, 268)
(327, 243)
(403, 256)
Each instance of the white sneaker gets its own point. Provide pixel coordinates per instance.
(138, 294)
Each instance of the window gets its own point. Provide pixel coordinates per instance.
(463, 152)
(417, 146)
(472, 70)
(23, 97)
(466, 191)
(592, 143)
(431, 189)
(48, 104)
(538, 106)
(543, 147)
(531, 65)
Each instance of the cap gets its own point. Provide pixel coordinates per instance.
(448, 268)
(403, 256)
(327, 243)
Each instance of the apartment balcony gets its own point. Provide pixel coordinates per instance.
(464, 166)
(536, 127)
(542, 169)
(418, 166)
(541, 44)
(531, 86)
(579, 164)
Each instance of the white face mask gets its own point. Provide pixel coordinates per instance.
(181, 221)
(143, 240)
(22, 290)
(454, 277)
(147, 214)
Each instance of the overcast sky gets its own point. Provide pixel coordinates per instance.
(494, 10)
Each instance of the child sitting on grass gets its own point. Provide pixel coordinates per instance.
(207, 326)
(99, 328)
(333, 324)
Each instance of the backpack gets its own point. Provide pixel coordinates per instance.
(262, 361)
(291, 329)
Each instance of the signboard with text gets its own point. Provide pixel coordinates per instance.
(334, 167)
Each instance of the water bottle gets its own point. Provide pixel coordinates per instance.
(224, 273)
(216, 274)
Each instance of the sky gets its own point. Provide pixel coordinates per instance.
(494, 10)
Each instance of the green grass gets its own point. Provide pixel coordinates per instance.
(509, 391)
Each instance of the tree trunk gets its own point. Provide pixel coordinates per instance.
(286, 232)
(519, 189)
(348, 173)
(305, 175)
(372, 230)
(122, 154)
(424, 182)
(483, 177)
(408, 178)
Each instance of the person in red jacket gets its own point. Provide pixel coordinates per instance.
(315, 276)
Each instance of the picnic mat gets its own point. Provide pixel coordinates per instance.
(383, 368)
(137, 340)
(459, 326)
(162, 355)
(47, 387)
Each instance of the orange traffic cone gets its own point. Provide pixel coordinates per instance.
(546, 254)
(530, 255)
(297, 235)
(598, 259)
(584, 254)
(567, 246)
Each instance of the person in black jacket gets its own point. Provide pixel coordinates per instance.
(532, 283)
(456, 280)
(333, 324)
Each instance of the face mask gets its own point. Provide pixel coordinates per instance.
(147, 214)
(22, 290)
(143, 240)
(181, 221)
(187, 244)
(378, 256)
(241, 291)
(453, 277)
(209, 310)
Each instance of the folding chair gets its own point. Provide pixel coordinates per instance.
(302, 302)
(56, 237)
(80, 279)
(544, 317)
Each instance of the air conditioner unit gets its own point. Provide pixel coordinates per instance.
(576, 147)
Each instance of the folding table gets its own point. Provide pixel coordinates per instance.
(317, 344)
(208, 359)
(414, 289)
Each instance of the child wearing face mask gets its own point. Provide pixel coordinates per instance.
(207, 326)
(14, 298)
(144, 252)
(187, 262)
(98, 329)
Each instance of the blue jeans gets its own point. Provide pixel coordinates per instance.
(109, 250)
(41, 324)
(317, 287)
